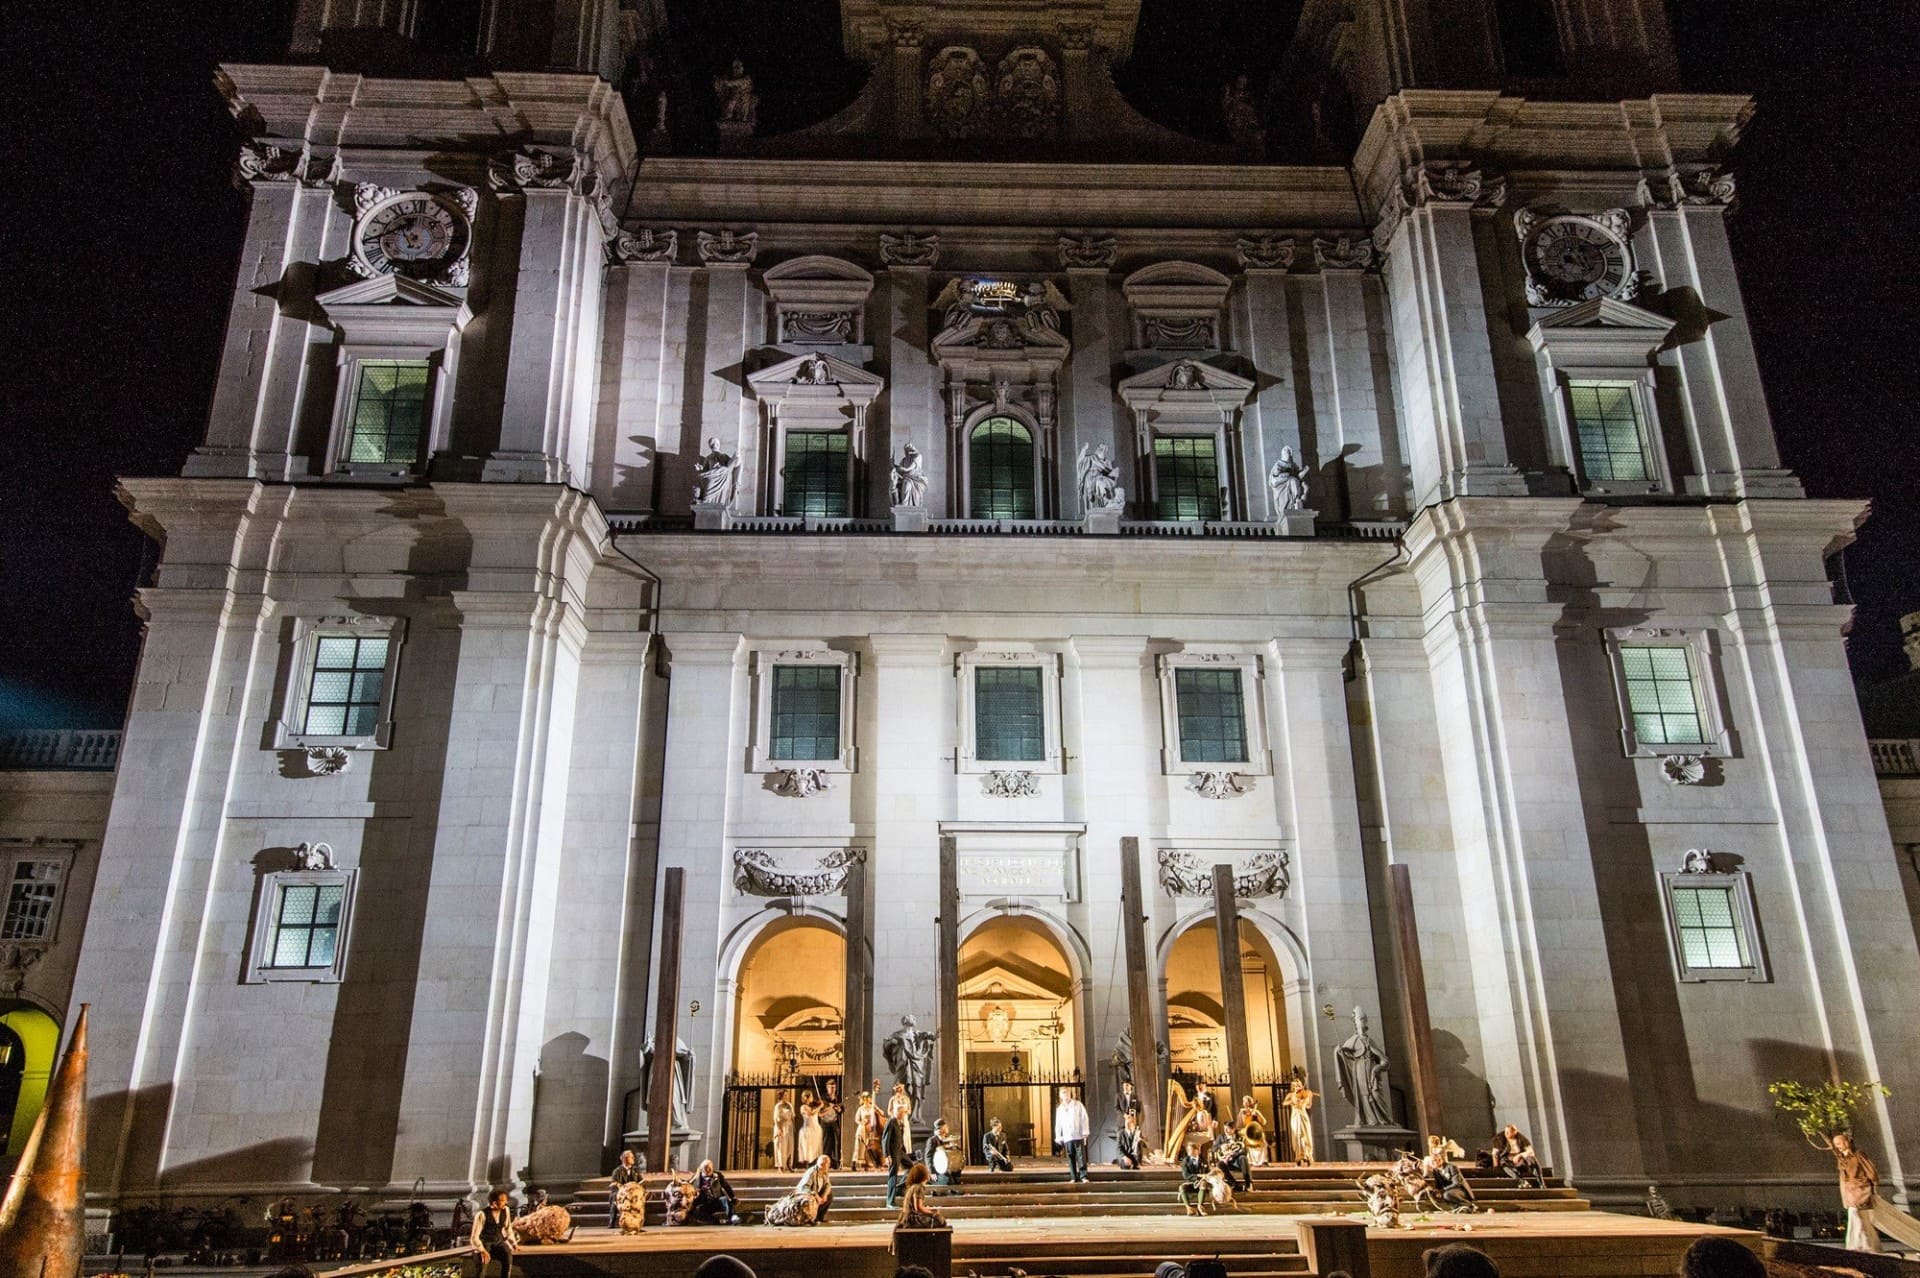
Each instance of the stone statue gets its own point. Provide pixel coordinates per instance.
(682, 1080)
(713, 476)
(814, 371)
(909, 478)
(1186, 376)
(1123, 1056)
(1043, 304)
(1363, 1075)
(1287, 483)
(1241, 112)
(739, 104)
(909, 1054)
(1099, 480)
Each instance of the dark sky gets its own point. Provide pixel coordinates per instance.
(123, 233)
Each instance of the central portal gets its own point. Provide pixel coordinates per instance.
(1019, 1033)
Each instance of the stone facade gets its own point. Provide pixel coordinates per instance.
(589, 571)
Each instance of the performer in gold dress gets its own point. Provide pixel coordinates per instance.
(1252, 1125)
(1299, 1102)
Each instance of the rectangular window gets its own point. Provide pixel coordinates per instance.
(806, 713)
(1707, 920)
(1186, 477)
(1661, 694)
(33, 891)
(1212, 715)
(343, 696)
(815, 474)
(306, 925)
(1611, 436)
(1009, 714)
(389, 412)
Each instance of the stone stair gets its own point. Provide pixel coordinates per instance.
(1043, 1192)
(1121, 1259)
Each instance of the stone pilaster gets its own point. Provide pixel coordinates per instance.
(726, 413)
(914, 414)
(1273, 416)
(1091, 417)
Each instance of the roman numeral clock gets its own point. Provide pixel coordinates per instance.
(1576, 257)
(423, 235)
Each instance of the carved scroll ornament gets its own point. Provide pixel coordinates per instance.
(1261, 874)
(760, 873)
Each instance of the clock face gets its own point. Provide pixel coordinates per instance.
(1575, 259)
(414, 235)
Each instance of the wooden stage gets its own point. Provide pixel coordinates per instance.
(1526, 1245)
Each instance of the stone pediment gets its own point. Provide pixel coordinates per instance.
(816, 377)
(1601, 331)
(394, 308)
(1185, 383)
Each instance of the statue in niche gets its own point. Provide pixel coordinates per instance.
(1099, 480)
(1241, 112)
(909, 484)
(909, 1054)
(1287, 483)
(739, 104)
(714, 475)
(1363, 1075)
(682, 1080)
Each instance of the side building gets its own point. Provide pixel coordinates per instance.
(921, 528)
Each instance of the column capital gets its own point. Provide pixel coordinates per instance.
(1305, 653)
(1109, 652)
(702, 648)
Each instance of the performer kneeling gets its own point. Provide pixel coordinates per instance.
(914, 1211)
(943, 1155)
(1129, 1142)
(994, 1145)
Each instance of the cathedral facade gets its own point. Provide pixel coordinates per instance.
(919, 529)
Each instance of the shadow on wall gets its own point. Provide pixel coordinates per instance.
(1466, 1099)
(569, 1112)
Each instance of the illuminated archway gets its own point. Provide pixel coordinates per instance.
(1019, 1030)
(1196, 1019)
(29, 1042)
(789, 1033)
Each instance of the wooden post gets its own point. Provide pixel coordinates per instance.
(666, 1027)
(948, 987)
(1140, 1027)
(1233, 992)
(1413, 1002)
(854, 1018)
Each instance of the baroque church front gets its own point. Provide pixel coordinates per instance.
(835, 520)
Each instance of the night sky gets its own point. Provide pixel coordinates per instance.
(124, 231)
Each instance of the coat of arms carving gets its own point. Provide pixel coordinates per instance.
(956, 91)
(1028, 91)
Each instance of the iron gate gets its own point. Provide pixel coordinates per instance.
(746, 1119)
(1024, 1102)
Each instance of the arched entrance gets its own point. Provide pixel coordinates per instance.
(1019, 1032)
(1196, 1018)
(789, 1035)
(29, 1041)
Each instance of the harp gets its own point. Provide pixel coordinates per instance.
(1179, 1116)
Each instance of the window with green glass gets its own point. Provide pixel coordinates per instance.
(1708, 922)
(815, 474)
(1608, 428)
(1009, 716)
(343, 693)
(306, 925)
(1000, 463)
(389, 412)
(1661, 694)
(1212, 713)
(806, 713)
(1186, 477)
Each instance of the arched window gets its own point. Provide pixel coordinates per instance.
(1000, 468)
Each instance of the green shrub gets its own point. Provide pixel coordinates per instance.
(1822, 1110)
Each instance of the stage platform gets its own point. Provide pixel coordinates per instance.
(1589, 1244)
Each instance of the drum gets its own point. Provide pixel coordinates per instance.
(942, 1160)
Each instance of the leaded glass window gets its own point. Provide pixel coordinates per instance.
(806, 713)
(1608, 428)
(1000, 463)
(1661, 694)
(815, 474)
(389, 412)
(344, 692)
(32, 893)
(306, 925)
(1009, 714)
(1186, 477)
(1212, 715)
(1707, 920)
